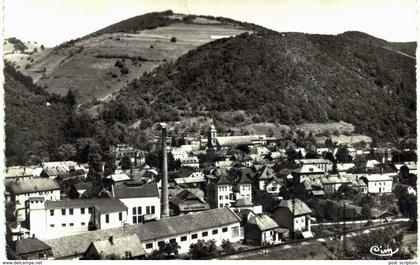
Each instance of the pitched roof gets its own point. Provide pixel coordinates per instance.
(245, 180)
(30, 245)
(265, 173)
(75, 245)
(263, 222)
(186, 223)
(223, 179)
(33, 185)
(308, 169)
(119, 246)
(147, 190)
(300, 207)
(378, 177)
(103, 205)
(314, 161)
(243, 202)
(19, 171)
(335, 180)
(188, 180)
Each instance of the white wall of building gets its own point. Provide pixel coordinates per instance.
(145, 204)
(230, 232)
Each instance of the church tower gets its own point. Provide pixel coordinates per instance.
(212, 134)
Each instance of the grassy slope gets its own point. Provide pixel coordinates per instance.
(87, 65)
(286, 78)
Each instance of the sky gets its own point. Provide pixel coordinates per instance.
(52, 22)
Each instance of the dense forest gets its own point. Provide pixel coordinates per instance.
(287, 78)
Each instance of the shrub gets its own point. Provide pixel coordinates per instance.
(124, 70)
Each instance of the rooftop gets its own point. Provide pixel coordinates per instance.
(119, 246)
(33, 185)
(147, 190)
(263, 222)
(30, 245)
(300, 208)
(103, 205)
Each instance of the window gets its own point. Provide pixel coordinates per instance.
(71, 224)
(224, 229)
(193, 236)
(82, 210)
(172, 240)
(183, 238)
(149, 245)
(51, 212)
(134, 210)
(139, 210)
(161, 243)
(63, 225)
(220, 197)
(134, 219)
(90, 209)
(136, 215)
(52, 226)
(63, 211)
(221, 205)
(82, 223)
(120, 216)
(204, 234)
(215, 232)
(226, 197)
(152, 209)
(107, 218)
(71, 211)
(147, 209)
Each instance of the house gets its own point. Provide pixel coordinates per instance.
(261, 230)
(321, 151)
(323, 164)
(332, 183)
(377, 183)
(191, 161)
(294, 215)
(228, 190)
(245, 204)
(32, 248)
(342, 167)
(22, 190)
(307, 172)
(137, 157)
(127, 247)
(224, 163)
(264, 176)
(370, 164)
(141, 201)
(63, 168)
(357, 184)
(22, 172)
(49, 219)
(189, 200)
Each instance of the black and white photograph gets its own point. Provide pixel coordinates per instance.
(209, 130)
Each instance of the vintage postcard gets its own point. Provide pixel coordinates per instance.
(209, 130)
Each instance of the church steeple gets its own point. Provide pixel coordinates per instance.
(212, 134)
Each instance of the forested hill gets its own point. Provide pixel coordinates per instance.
(287, 78)
(34, 120)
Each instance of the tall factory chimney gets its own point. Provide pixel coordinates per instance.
(165, 195)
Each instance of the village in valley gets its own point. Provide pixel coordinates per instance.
(212, 195)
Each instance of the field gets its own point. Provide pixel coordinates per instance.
(87, 66)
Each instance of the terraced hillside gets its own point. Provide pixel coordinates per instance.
(102, 63)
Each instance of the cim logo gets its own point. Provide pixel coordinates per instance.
(382, 252)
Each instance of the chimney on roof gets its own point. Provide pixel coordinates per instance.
(165, 195)
(111, 240)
